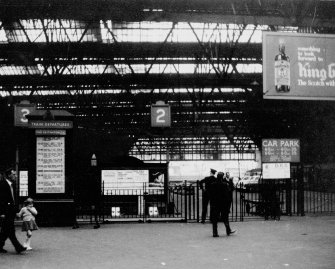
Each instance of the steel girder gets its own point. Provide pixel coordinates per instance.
(301, 13)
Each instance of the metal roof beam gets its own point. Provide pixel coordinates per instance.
(138, 81)
(267, 12)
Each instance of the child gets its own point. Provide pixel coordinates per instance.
(28, 213)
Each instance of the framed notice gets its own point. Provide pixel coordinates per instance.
(23, 175)
(50, 164)
(276, 170)
(280, 150)
(298, 66)
(125, 181)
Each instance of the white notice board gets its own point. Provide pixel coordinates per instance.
(124, 179)
(50, 164)
(276, 170)
(23, 175)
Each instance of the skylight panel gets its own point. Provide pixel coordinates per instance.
(125, 69)
(182, 32)
(8, 70)
(49, 30)
(3, 37)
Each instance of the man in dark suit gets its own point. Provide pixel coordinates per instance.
(220, 203)
(8, 212)
(204, 185)
(229, 180)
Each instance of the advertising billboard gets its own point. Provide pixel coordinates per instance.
(298, 66)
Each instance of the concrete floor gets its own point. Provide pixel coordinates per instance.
(292, 242)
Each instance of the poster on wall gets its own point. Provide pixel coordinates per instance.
(298, 66)
(50, 164)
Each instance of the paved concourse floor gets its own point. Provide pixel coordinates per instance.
(293, 242)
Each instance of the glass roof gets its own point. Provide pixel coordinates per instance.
(55, 31)
(48, 30)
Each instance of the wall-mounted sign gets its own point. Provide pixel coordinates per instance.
(50, 164)
(280, 150)
(20, 113)
(160, 115)
(23, 175)
(40, 124)
(298, 66)
(276, 170)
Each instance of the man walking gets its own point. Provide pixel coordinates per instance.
(8, 211)
(230, 183)
(220, 203)
(204, 185)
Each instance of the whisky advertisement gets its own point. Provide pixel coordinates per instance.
(50, 164)
(298, 66)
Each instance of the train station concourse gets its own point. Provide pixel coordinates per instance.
(115, 110)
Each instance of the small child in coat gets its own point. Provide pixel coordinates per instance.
(28, 213)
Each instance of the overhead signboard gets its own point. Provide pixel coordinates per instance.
(280, 150)
(276, 170)
(40, 124)
(298, 66)
(160, 115)
(20, 113)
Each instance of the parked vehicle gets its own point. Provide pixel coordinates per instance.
(251, 178)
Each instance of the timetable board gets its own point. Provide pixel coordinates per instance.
(50, 164)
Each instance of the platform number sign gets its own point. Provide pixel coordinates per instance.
(160, 115)
(21, 111)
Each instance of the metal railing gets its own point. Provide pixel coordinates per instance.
(183, 202)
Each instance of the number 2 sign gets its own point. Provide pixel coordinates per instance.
(160, 115)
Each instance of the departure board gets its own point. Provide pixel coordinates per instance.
(50, 164)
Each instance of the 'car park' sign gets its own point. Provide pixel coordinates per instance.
(280, 150)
